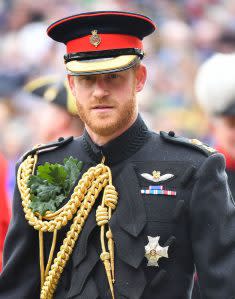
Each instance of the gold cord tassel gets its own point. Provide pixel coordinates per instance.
(105, 257)
(78, 208)
(102, 219)
(109, 236)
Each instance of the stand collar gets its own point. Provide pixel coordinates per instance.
(120, 148)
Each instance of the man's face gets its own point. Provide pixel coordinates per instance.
(224, 132)
(107, 102)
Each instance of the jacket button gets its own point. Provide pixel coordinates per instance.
(171, 133)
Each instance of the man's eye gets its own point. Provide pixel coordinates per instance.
(88, 78)
(85, 78)
(113, 76)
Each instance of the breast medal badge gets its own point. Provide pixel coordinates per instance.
(95, 39)
(153, 251)
(157, 177)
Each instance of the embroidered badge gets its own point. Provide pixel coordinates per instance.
(156, 176)
(95, 39)
(153, 251)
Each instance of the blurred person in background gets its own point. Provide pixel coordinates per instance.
(9, 83)
(14, 131)
(20, 120)
(55, 99)
(4, 205)
(215, 91)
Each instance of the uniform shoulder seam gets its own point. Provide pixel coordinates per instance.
(47, 147)
(192, 143)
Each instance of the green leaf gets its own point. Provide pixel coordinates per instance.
(52, 184)
(33, 183)
(73, 168)
(53, 173)
(46, 193)
(41, 206)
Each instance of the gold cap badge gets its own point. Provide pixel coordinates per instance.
(95, 39)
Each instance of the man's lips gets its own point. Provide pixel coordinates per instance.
(102, 107)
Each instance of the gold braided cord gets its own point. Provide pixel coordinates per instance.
(51, 253)
(80, 205)
(41, 256)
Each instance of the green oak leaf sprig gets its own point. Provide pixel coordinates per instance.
(52, 184)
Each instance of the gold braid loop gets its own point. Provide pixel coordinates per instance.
(102, 215)
(80, 205)
(110, 199)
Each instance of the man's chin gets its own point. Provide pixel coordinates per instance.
(105, 128)
(104, 131)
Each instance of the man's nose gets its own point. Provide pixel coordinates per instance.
(100, 88)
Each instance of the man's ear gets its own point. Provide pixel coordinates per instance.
(71, 84)
(141, 75)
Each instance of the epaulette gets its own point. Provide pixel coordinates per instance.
(193, 143)
(47, 147)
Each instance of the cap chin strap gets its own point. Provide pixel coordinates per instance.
(102, 54)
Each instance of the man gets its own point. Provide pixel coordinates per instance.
(216, 80)
(4, 205)
(166, 205)
(58, 103)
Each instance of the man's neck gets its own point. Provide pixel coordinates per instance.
(101, 140)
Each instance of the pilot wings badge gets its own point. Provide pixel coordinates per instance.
(156, 176)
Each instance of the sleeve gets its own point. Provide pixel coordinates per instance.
(20, 277)
(212, 215)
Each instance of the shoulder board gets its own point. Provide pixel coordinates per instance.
(47, 147)
(193, 143)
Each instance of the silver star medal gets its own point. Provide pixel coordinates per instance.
(153, 251)
(157, 177)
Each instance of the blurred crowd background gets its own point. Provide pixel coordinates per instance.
(189, 32)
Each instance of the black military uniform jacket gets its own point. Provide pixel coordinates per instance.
(198, 225)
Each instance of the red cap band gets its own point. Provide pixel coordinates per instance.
(105, 42)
